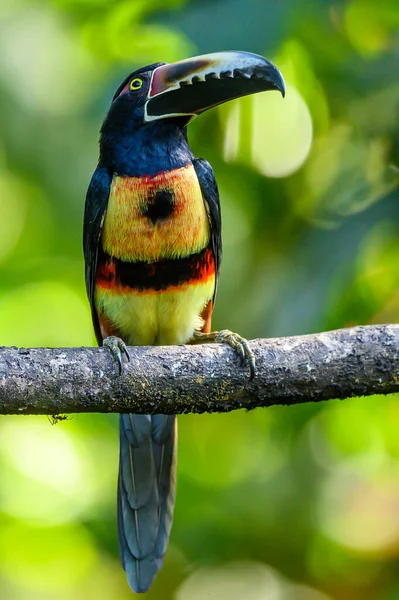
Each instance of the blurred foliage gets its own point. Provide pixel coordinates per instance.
(302, 503)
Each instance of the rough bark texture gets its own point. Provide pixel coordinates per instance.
(179, 379)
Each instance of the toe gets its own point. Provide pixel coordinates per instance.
(117, 347)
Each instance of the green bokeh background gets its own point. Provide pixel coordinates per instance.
(296, 503)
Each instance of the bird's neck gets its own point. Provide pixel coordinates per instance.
(146, 150)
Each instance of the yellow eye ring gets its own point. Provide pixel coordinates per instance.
(136, 84)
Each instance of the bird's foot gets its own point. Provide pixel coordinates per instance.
(118, 349)
(237, 342)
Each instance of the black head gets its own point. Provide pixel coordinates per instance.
(126, 112)
(143, 79)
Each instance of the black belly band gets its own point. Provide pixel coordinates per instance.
(161, 275)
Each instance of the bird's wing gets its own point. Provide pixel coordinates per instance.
(95, 208)
(210, 193)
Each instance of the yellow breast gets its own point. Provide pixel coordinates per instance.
(168, 317)
(150, 218)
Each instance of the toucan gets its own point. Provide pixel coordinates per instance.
(152, 248)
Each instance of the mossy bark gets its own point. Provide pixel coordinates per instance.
(178, 379)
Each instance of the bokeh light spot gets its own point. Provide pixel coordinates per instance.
(281, 134)
(45, 558)
(361, 512)
(50, 480)
(46, 69)
(240, 456)
(369, 24)
(42, 452)
(243, 581)
(49, 314)
(275, 136)
(235, 581)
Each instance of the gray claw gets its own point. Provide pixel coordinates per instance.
(117, 348)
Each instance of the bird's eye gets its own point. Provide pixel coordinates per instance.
(136, 84)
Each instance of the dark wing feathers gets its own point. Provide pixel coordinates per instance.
(210, 193)
(95, 208)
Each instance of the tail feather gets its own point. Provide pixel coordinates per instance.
(162, 428)
(137, 463)
(146, 494)
(140, 525)
(165, 461)
(137, 428)
(140, 574)
(122, 542)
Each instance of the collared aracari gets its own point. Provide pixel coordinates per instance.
(152, 247)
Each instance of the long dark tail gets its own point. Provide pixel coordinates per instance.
(146, 494)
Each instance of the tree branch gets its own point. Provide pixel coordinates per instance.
(179, 379)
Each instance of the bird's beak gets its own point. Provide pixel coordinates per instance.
(191, 86)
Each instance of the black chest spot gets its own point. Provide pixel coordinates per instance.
(159, 206)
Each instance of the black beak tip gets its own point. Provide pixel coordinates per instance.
(271, 76)
(281, 88)
(278, 81)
